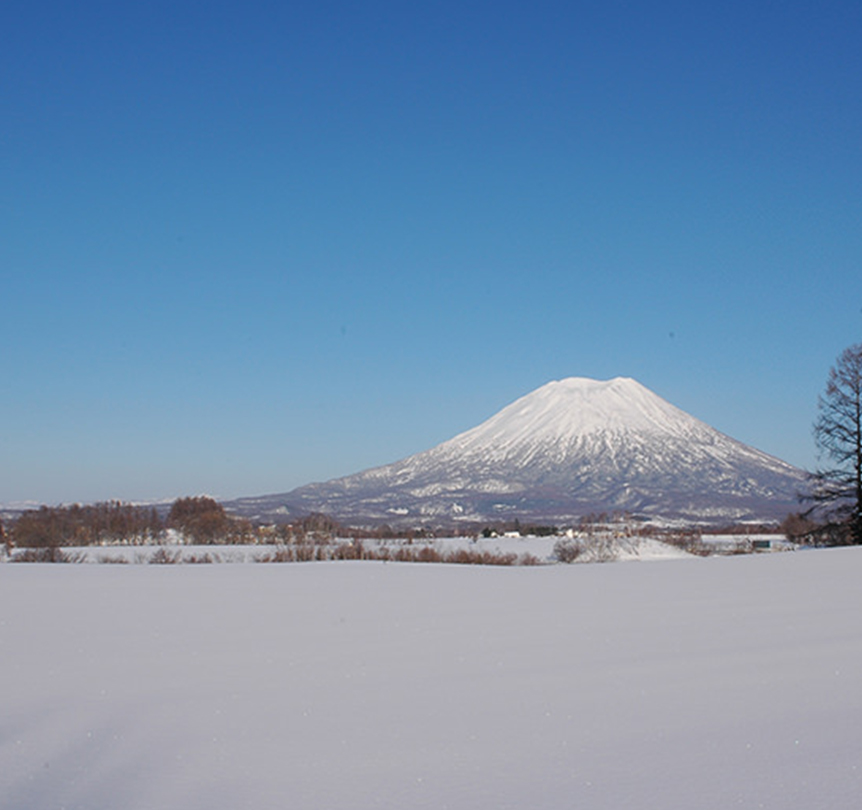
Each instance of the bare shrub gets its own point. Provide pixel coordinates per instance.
(304, 552)
(461, 556)
(497, 558)
(299, 552)
(280, 554)
(404, 554)
(110, 559)
(50, 554)
(688, 540)
(567, 551)
(601, 548)
(162, 556)
(429, 554)
(344, 551)
(201, 559)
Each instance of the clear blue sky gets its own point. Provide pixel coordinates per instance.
(245, 246)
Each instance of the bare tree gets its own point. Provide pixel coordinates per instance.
(201, 519)
(838, 434)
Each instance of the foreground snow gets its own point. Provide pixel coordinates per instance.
(704, 683)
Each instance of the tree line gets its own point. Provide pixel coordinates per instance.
(198, 520)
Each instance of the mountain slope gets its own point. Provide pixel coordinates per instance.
(572, 447)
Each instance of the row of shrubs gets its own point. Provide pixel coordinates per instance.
(293, 553)
(357, 550)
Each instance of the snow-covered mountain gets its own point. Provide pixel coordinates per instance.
(572, 447)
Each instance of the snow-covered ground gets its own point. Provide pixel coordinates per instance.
(701, 683)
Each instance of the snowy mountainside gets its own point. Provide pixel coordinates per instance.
(572, 447)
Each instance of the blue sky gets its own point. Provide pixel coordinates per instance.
(248, 246)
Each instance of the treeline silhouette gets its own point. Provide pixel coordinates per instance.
(198, 520)
(76, 525)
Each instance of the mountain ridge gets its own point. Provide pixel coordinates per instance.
(571, 447)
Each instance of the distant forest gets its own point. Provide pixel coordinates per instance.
(197, 520)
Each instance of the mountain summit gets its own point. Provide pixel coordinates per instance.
(570, 448)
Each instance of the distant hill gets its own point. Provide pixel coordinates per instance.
(570, 448)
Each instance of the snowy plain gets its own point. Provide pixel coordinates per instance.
(699, 683)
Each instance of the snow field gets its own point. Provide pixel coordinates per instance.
(708, 683)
